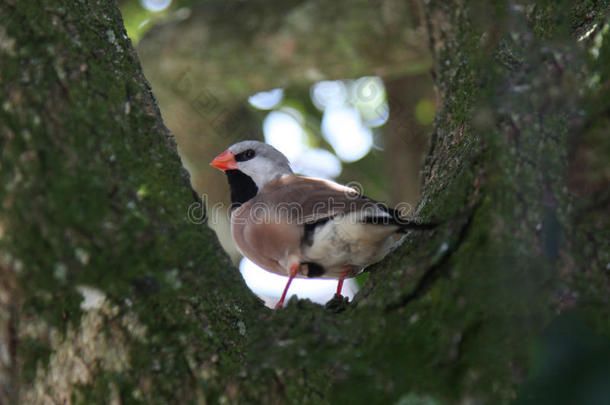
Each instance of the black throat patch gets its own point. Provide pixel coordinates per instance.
(243, 188)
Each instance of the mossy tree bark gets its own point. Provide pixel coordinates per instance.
(94, 202)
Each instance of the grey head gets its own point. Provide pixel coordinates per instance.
(260, 161)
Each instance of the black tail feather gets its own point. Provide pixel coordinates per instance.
(409, 225)
(395, 219)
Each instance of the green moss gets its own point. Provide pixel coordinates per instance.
(33, 353)
(79, 215)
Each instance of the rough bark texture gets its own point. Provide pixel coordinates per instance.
(93, 196)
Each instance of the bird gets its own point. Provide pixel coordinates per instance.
(300, 226)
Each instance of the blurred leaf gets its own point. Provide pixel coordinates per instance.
(425, 111)
(571, 366)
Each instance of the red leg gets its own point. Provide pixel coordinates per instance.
(340, 285)
(293, 272)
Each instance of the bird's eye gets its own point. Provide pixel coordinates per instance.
(245, 155)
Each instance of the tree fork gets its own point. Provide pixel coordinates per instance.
(94, 202)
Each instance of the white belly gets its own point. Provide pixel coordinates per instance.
(345, 241)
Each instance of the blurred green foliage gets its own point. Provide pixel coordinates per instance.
(571, 365)
(138, 19)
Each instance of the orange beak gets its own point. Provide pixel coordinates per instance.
(224, 161)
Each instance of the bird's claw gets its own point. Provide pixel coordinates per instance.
(338, 303)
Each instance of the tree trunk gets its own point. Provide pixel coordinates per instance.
(95, 204)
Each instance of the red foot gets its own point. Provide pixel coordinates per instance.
(293, 272)
(340, 285)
